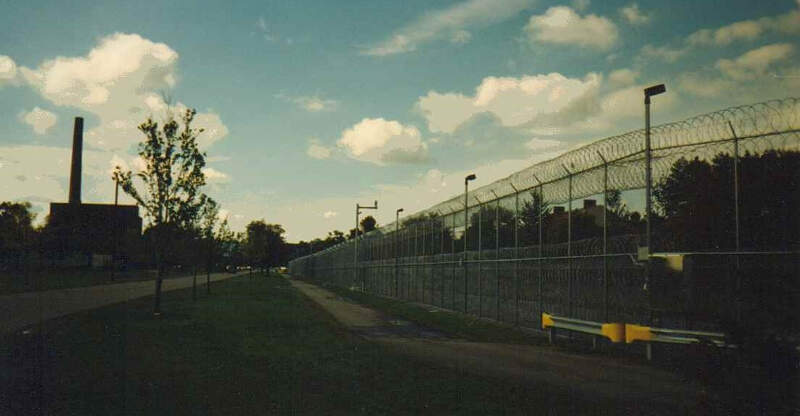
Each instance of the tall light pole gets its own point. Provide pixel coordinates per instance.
(355, 239)
(470, 177)
(649, 92)
(396, 251)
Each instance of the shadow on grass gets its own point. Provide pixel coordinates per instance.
(255, 346)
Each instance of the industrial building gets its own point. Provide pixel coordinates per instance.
(92, 234)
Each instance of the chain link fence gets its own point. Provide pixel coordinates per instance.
(527, 244)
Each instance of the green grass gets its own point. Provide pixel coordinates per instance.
(47, 279)
(253, 347)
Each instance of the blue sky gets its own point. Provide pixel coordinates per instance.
(312, 106)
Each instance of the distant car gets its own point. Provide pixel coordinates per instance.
(283, 270)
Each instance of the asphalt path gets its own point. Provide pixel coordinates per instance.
(21, 310)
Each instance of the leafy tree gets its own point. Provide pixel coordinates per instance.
(696, 201)
(529, 215)
(171, 180)
(208, 219)
(368, 224)
(16, 219)
(265, 244)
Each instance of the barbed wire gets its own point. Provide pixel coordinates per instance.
(756, 128)
(770, 125)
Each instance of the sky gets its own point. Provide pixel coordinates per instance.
(310, 107)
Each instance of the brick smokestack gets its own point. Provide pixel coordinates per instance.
(77, 159)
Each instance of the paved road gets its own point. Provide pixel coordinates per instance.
(24, 309)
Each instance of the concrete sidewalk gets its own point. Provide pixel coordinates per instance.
(24, 309)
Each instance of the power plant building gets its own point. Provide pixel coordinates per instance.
(92, 233)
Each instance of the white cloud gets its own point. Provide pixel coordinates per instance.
(747, 30)
(24, 176)
(318, 151)
(117, 84)
(329, 214)
(461, 37)
(664, 53)
(310, 103)
(515, 101)
(537, 144)
(40, 120)
(380, 141)
(623, 76)
(8, 70)
(214, 176)
(704, 86)
(117, 81)
(561, 25)
(447, 23)
(633, 15)
(754, 63)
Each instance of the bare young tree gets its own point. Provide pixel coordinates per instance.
(172, 179)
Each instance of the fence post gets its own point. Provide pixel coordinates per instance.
(605, 236)
(539, 209)
(464, 256)
(516, 254)
(569, 245)
(452, 257)
(497, 255)
(480, 258)
(441, 268)
(414, 265)
(422, 260)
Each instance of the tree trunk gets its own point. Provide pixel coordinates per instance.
(159, 274)
(208, 279)
(159, 278)
(194, 284)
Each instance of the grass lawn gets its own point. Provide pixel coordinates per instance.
(253, 347)
(36, 280)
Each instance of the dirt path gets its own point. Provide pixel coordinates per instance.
(24, 309)
(592, 376)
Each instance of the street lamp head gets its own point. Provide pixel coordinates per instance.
(469, 177)
(399, 210)
(654, 90)
(376, 204)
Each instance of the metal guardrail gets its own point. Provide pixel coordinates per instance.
(673, 336)
(615, 332)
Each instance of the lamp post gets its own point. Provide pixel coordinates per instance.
(355, 239)
(396, 251)
(649, 92)
(468, 178)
